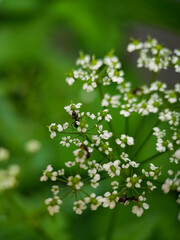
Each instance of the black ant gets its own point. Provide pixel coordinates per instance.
(83, 146)
(76, 118)
(123, 199)
(137, 90)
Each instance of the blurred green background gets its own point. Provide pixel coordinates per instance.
(39, 42)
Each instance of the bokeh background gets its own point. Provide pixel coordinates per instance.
(39, 42)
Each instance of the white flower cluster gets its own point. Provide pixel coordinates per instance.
(138, 209)
(108, 100)
(172, 184)
(154, 172)
(176, 60)
(89, 71)
(53, 128)
(53, 205)
(175, 157)
(162, 145)
(8, 176)
(32, 146)
(154, 56)
(124, 139)
(105, 153)
(4, 154)
(49, 173)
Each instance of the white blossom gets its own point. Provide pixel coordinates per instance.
(75, 182)
(4, 154)
(32, 146)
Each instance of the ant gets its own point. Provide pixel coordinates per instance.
(76, 118)
(137, 91)
(123, 199)
(83, 146)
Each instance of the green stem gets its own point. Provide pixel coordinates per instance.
(95, 125)
(143, 143)
(86, 179)
(69, 132)
(111, 226)
(135, 191)
(106, 156)
(89, 140)
(126, 125)
(62, 180)
(109, 123)
(153, 77)
(66, 194)
(85, 193)
(113, 137)
(100, 92)
(145, 140)
(102, 160)
(139, 126)
(150, 158)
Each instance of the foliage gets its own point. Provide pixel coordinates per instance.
(39, 41)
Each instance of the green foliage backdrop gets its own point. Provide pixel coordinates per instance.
(39, 42)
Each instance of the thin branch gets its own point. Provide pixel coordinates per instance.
(145, 140)
(111, 226)
(150, 158)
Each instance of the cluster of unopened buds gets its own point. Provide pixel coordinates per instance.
(104, 154)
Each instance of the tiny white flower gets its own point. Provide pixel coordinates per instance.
(33, 146)
(75, 182)
(70, 80)
(4, 154)
(79, 206)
